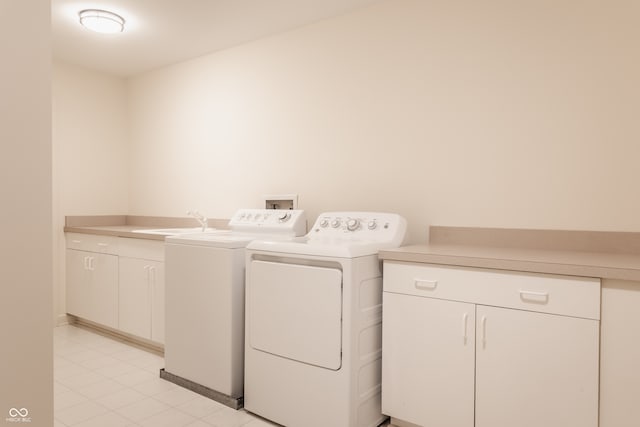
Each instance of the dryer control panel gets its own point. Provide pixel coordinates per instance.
(289, 222)
(374, 226)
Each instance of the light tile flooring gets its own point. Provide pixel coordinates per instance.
(101, 382)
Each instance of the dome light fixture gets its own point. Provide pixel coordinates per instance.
(101, 21)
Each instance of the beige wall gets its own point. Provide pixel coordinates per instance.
(90, 153)
(90, 138)
(26, 359)
(493, 113)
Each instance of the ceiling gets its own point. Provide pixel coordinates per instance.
(162, 32)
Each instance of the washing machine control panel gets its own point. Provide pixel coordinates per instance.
(359, 225)
(291, 222)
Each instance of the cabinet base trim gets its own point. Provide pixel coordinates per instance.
(141, 343)
(232, 402)
(395, 422)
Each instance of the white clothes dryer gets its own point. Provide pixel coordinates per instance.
(205, 278)
(313, 339)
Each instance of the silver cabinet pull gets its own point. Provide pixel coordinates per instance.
(465, 318)
(483, 331)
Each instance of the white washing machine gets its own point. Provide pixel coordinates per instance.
(313, 339)
(205, 294)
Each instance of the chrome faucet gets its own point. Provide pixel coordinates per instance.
(200, 218)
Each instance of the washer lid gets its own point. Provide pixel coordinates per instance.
(331, 247)
(219, 239)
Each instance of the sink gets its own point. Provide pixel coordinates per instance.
(173, 231)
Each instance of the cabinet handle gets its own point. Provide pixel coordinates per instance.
(86, 263)
(465, 318)
(428, 285)
(483, 331)
(535, 297)
(76, 241)
(103, 245)
(91, 266)
(152, 271)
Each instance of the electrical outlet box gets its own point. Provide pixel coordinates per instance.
(281, 201)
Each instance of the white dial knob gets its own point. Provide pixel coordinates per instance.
(324, 223)
(352, 224)
(372, 224)
(335, 223)
(284, 217)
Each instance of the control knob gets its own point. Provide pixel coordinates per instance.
(335, 223)
(284, 217)
(324, 223)
(372, 224)
(352, 224)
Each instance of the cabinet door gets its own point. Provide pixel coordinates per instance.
(157, 302)
(78, 283)
(104, 289)
(141, 297)
(535, 369)
(135, 297)
(428, 360)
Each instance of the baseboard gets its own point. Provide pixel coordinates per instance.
(118, 335)
(395, 422)
(62, 319)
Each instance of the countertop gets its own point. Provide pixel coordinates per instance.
(116, 230)
(124, 225)
(605, 255)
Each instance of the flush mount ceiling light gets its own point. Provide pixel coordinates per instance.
(101, 21)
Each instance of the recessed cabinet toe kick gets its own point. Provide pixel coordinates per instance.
(488, 348)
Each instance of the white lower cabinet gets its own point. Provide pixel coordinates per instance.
(141, 284)
(140, 300)
(535, 369)
(92, 286)
(117, 282)
(459, 363)
(428, 360)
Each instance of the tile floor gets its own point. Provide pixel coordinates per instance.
(101, 382)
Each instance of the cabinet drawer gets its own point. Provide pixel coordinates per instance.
(92, 243)
(564, 295)
(141, 248)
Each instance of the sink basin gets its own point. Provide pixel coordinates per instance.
(173, 231)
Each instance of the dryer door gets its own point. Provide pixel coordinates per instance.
(295, 311)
